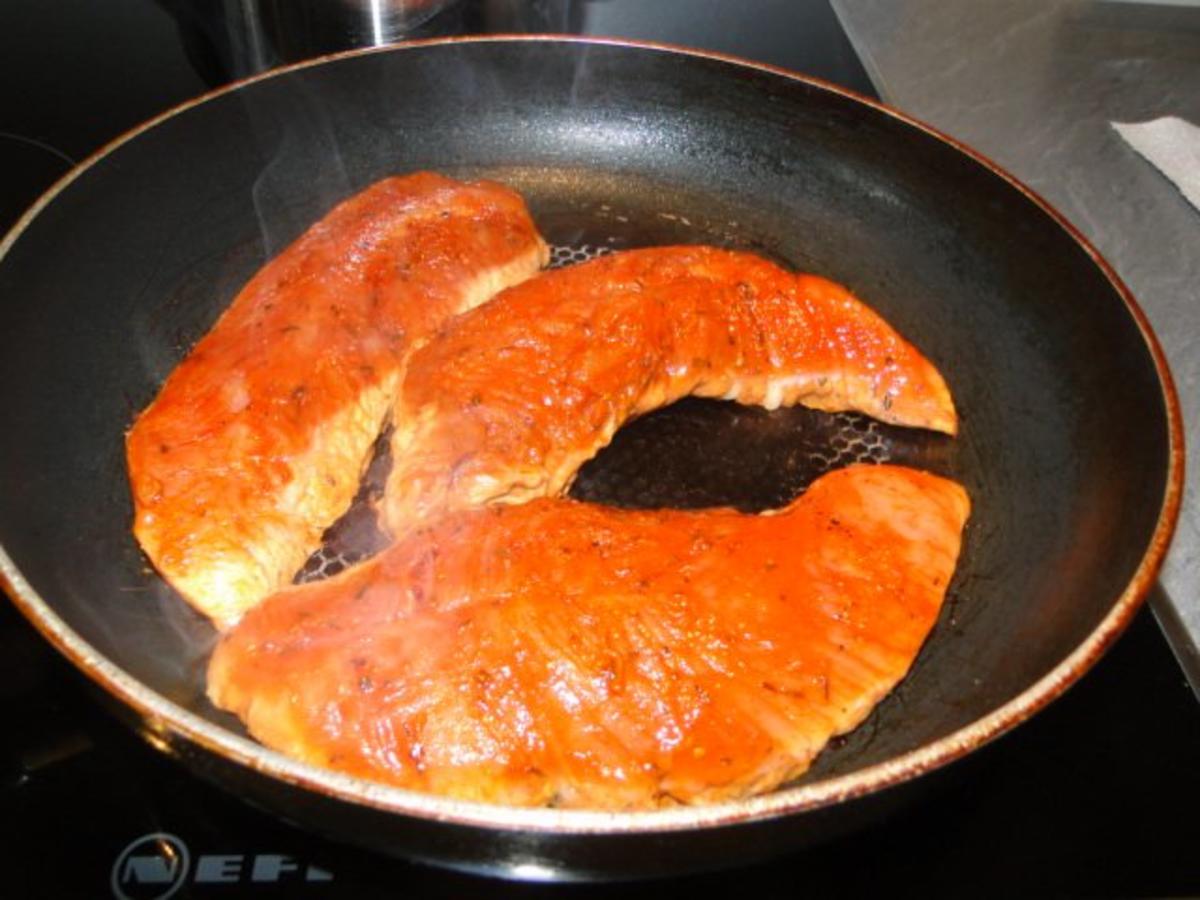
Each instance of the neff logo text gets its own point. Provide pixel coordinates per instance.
(155, 866)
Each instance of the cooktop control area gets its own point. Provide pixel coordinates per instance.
(1088, 798)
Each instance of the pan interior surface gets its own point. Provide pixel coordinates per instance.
(1065, 440)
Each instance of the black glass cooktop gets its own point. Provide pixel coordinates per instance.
(1095, 796)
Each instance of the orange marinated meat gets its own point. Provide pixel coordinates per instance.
(506, 402)
(564, 654)
(257, 441)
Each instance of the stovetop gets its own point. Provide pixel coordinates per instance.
(1095, 796)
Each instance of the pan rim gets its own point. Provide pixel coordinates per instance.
(164, 719)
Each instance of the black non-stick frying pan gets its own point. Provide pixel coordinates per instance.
(1071, 443)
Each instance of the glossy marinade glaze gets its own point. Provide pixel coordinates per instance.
(257, 441)
(565, 654)
(505, 403)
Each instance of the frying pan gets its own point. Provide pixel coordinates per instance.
(1071, 444)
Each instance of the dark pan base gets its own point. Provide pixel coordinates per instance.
(1070, 443)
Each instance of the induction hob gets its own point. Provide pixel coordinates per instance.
(1095, 796)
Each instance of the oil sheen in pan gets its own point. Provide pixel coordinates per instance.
(691, 455)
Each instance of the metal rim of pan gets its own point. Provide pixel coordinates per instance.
(164, 720)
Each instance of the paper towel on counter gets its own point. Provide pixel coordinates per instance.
(1173, 146)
